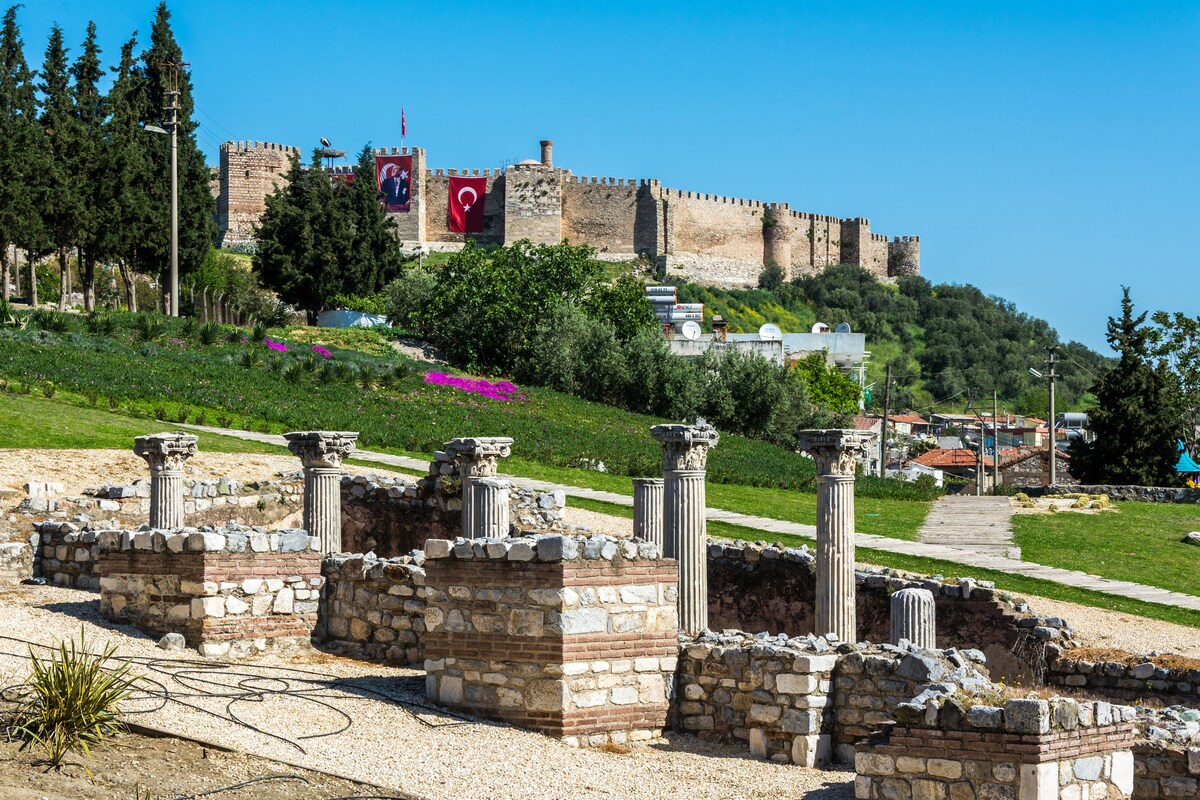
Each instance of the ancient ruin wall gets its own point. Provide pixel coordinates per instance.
(617, 216)
(249, 172)
(437, 205)
(373, 608)
(533, 204)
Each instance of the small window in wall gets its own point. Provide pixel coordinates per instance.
(247, 173)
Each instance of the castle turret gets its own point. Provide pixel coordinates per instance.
(249, 172)
(777, 237)
(904, 256)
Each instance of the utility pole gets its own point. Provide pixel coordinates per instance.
(1050, 376)
(171, 120)
(995, 441)
(887, 398)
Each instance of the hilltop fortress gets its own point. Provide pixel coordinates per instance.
(705, 238)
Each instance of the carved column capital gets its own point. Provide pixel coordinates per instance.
(478, 456)
(836, 451)
(165, 452)
(685, 447)
(322, 449)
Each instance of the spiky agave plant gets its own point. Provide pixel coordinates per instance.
(70, 700)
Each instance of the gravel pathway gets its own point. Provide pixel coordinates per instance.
(402, 745)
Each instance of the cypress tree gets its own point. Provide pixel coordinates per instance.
(1138, 420)
(62, 207)
(90, 111)
(374, 259)
(197, 208)
(22, 150)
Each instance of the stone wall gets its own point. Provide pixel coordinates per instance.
(1138, 494)
(617, 216)
(1131, 678)
(1163, 770)
(373, 608)
(533, 204)
(229, 592)
(66, 554)
(768, 588)
(1026, 750)
(575, 638)
(436, 187)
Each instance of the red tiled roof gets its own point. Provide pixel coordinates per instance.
(911, 419)
(960, 457)
(866, 423)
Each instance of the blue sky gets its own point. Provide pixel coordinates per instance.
(1044, 152)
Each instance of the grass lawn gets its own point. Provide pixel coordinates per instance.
(1140, 543)
(31, 422)
(1016, 584)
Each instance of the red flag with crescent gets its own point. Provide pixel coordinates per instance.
(393, 177)
(466, 204)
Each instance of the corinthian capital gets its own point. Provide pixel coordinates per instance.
(685, 447)
(836, 451)
(165, 452)
(321, 449)
(478, 456)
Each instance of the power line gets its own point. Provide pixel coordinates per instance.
(214, 121)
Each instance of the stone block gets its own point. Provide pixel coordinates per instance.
(284, 601)
(821, 663)
(1037, 781)
(584, 620)
(438, 548)
(811, 750)
(208, 607)
(1122, 771)
(557, 548)
(945, 768)
(929, 790)
(450, 690)
(235, 605)
(874, 764)
(758, 743)
(1027, 716)
(624, 695)
(791, 683)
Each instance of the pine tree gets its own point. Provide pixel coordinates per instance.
(126, 218)
(197, 208)
(63, 207)
(1138, 420)
(22, 150)
(90, 111)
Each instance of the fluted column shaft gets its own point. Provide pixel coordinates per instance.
(914, 618)
(166, 499)
(648, 510)
(490, 513)
(686, 540)
(476, 457)
(835, 557)
(323, 506)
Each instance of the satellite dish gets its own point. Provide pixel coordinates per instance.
(820, 327)
(770, 333)
(842, 328)
(691, 330)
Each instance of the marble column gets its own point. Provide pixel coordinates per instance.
(648, 510)
(475, 457)
(685, 531)
(835, 452)
(322, 454)
(913, 618)
(166, 454)
(491, 515)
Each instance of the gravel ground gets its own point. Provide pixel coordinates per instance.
(397, 744)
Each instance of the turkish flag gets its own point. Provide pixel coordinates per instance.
(393, 177)
(466, 204)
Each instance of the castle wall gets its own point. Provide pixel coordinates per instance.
(410, 225)
(249, 172)
(613, 215)
(437, 199)
(713, 239)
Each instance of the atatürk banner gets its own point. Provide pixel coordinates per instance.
(466, 204)
(393, 176)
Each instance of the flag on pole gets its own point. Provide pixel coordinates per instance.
(393, 177)
(403, 124)
(466, 204)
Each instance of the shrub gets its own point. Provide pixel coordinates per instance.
(149, 327)
(209, 333)
(188, 327)
(91, 396)
(52, 321)
(100, 324)
(160, 413)
(49, 389)
(259, 331)
(182, 416)
(70, 700)
(1021, 497)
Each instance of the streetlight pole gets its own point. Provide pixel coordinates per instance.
(1050, 376)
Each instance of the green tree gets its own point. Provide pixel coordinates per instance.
(197, 208)
(22, 152)
(374, 258)
(90, 111)
(62, 208)
(1137, 421)
(828, 387)
(1176, 343)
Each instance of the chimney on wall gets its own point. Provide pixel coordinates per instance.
(547, 153)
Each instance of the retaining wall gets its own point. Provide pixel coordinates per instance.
(1140, 494)
(373, 608)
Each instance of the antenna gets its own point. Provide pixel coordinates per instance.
(770, 333)
(691, 330)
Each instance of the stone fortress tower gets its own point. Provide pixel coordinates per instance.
(705, 238)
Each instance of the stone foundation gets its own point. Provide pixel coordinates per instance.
(1165, 771)
(67, 555)
(575, 638)
(1132, 679)
(1027, 750)
(230, 592)
(372, 608)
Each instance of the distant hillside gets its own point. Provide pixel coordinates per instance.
(940, 340)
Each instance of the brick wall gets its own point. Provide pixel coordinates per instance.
(574, 638)
(229, 593)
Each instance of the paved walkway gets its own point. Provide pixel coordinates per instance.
(943, 552)
(980, 524)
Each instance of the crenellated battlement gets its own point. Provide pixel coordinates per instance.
(700, 236)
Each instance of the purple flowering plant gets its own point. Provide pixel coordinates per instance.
(321, 351)
(276, 346)
(498, 390)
